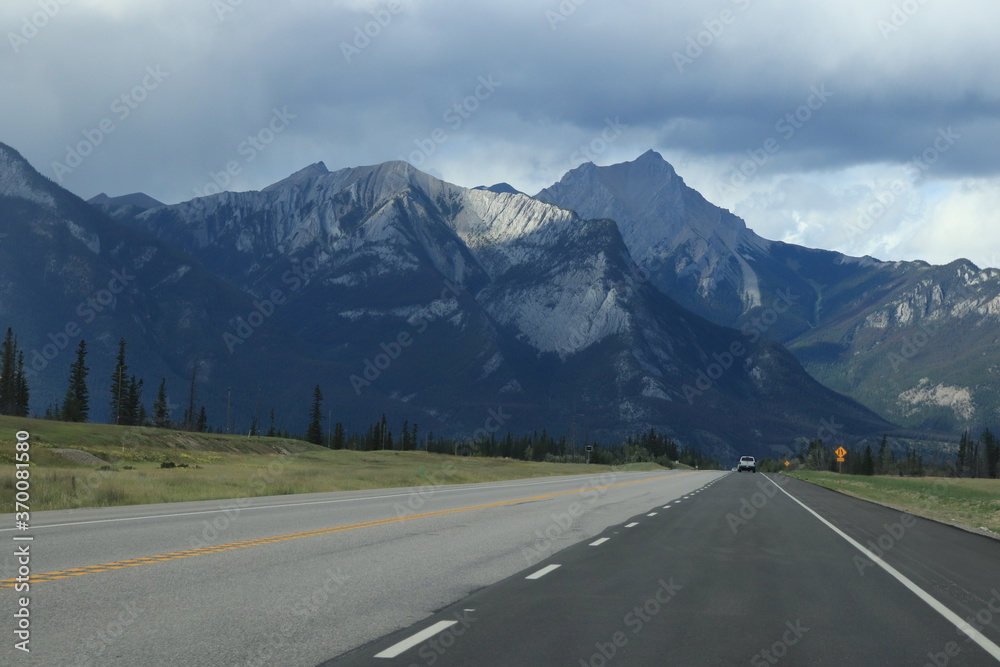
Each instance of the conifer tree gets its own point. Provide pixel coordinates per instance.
(133, 412)
(963, 453)
(76, 405)
(161, 411)
(22, 395)
(119, 386)
(189, 416)
(880, 461)
(202, 425)
(868, 463)
(991, 452)
(14, 394)
(314, 433)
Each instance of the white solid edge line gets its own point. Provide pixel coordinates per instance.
(597, 543)
(398, 648)
(984, 642)
(544, 571)
(634, 523)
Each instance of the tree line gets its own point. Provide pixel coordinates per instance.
(647, 446)
(14, 393)
(975, 458)
(126, 405)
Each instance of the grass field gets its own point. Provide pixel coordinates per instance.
(212, 467)
(972, 503)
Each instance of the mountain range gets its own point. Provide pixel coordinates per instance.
(615, 301)
(915, 342)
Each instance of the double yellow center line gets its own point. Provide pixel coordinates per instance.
(204, 551)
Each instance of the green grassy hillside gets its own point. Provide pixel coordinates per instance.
(210, 467)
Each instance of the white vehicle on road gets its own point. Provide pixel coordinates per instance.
(747, 463)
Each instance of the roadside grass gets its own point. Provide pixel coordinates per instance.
(970, 503)
(214, 467)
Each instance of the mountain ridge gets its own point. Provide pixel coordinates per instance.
(708, 259)
(446, 303)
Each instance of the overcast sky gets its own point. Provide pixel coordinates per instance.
(865, 126)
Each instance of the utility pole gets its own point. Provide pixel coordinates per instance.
(229, 397)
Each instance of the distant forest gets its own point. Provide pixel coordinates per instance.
(977, 458)
(128, 408)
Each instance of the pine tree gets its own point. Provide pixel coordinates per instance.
(880, 461)
(868, 463)
(202, 424)
(991, 452)
(161, 410)
(314, 433)
(119, 386)
(338, 436)
(141, 417)
(963, 453)
(972, 458)
(76, 405)
(270, 431)
(9, 379)
(133, 412)
(189, 416)
(22, 395)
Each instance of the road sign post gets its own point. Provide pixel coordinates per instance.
(841, 453)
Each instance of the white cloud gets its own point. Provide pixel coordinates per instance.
(963, 223)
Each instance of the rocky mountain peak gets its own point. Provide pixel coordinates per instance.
(19, 180)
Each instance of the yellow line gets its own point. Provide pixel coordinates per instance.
(146, 560)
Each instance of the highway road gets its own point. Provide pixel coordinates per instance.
(293, 580)
(685, 568)
(747, 570)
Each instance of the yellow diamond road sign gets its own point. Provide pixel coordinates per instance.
(841, 452)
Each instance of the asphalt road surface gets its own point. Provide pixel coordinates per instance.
(740, 572)
(696, 568)
(291, 580)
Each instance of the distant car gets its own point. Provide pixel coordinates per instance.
(747, 463)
